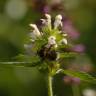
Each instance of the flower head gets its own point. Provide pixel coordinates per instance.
(53, 36)
(50, 39)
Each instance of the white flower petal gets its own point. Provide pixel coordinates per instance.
(58, 21)
(35, 30)
(48, 16)
(58, 71)
(64, 35)
(32, 25)
(58, 56)
(64, 41)
(48, 20)
(59, 17)
(43, 21)
(52, 40)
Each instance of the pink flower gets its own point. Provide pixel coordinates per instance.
(46, 9)
(79, 48)
(70, 30)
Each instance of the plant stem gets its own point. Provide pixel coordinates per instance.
(75, 89)
(50, 91)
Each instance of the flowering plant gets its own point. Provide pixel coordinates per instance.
(47, 50)
(49, 44)
(48, 41)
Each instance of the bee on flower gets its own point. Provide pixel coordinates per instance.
(50, 47)
(48, 41)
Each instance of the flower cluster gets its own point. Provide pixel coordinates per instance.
(55, 36)
(47, 45)
(49, 38)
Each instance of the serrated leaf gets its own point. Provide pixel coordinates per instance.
(82, 75)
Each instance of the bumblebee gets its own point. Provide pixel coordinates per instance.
(47, 53)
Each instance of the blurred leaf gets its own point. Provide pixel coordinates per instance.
(23, 60)
(82, 75)
(68, 55)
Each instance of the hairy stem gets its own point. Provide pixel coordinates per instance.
(50, 91)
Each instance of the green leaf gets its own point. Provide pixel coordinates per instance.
(23, 60)
(46, 31)
(68, 55)
(23, 64)
(82, 75)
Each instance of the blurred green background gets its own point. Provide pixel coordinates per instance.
(15, 17)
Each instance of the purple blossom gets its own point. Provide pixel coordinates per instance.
(46, 9)
(70, 80)
(79, 48)
(70, 30)
(76, 80)
(67, 79)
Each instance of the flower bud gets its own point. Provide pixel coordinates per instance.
(48, 20)
(59, 17)
(48, 16)
(43, 21)
(36, 31)
(64, 41)
(58, 21)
